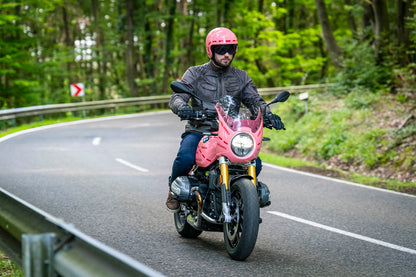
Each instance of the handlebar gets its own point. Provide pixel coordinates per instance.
(201, 115)
(212, 115)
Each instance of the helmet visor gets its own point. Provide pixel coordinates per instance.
(226, 48)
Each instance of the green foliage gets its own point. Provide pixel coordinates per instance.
(360, 69)
(411, 23)
(405, 132)
(285, 161)
(405, 78)
(8, 268)
(359, 98)
(47, 45)
(337, 127)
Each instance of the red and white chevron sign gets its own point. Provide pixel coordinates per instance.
(77, 90)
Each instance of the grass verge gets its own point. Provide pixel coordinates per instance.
(8, 268)
(316, 168)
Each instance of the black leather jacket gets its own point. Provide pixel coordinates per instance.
(210, 83)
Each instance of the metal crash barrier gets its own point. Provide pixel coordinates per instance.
(43, 245)
(12, 114)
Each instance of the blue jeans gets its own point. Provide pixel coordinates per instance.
(185, 158)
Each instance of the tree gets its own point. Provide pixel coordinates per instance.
(333, 48)
(169, 44)
(136, 47)
(381, 28)
(405, 13)
(349, 4)
(131, 65)
(100, 54)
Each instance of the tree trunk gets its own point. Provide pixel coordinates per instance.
(329, 38)
(99, 41)
(289, 20)
(368, 20)
(404, 11)
(218, 21)
(350, 17)
(191, 56)
(381, 29)
(131, 65)
(68, 43)
(227, 19)
(169, 45)
(259, 63)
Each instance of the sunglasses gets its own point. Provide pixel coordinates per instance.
(222, 49)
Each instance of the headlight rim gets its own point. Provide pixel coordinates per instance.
(237, 149)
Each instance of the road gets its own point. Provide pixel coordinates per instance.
(109, 178)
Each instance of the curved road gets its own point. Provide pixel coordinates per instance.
(109, 178)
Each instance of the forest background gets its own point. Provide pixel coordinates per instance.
(136, 47)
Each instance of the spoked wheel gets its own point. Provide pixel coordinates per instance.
(183, 227)
(240, 234)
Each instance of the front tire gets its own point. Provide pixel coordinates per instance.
(183, 227)
(240, 235)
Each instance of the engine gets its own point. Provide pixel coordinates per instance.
(181, 188)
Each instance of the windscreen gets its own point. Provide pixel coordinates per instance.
(237, 116)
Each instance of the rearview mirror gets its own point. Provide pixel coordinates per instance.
(281, 97)
(180, 87)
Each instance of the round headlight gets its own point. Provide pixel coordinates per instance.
(242, 144)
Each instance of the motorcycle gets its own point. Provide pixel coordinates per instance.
(221, 193)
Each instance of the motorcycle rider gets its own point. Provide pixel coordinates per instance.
(210, 82)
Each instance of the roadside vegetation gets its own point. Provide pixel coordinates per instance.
(363, 136)
(8, 268)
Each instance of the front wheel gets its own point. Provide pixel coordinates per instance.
(183, 227)
(240, 234)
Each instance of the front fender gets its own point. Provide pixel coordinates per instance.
(238, 177)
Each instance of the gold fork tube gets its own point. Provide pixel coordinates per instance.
(252, 172)
(224, 172)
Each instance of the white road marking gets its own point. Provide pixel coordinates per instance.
(345, 233)
(138, 168)
(82, 121)
(96, 141)
(336, 180)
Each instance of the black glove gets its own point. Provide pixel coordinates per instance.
(185, 112)
(273, 121)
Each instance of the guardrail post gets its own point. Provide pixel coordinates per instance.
(38, 254)
(304, 96)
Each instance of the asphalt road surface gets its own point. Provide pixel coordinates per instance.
(109, 178)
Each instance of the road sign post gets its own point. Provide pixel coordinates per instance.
(77, 90)
(304, 96)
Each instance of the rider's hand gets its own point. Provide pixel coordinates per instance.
(273, 121)
(185, 112)
(210, 114)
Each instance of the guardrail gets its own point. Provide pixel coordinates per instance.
(43, 245)
(82, 106)
(134, 101)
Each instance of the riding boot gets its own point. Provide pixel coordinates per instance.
(171, 203)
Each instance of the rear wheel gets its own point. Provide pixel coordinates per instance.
(183, 227)
(240, 235)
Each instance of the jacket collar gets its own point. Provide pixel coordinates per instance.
(214, 68)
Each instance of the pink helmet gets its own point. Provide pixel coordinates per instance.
(220, 36)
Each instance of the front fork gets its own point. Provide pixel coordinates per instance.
(225, 190)
(252, 172)
(225, 186)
